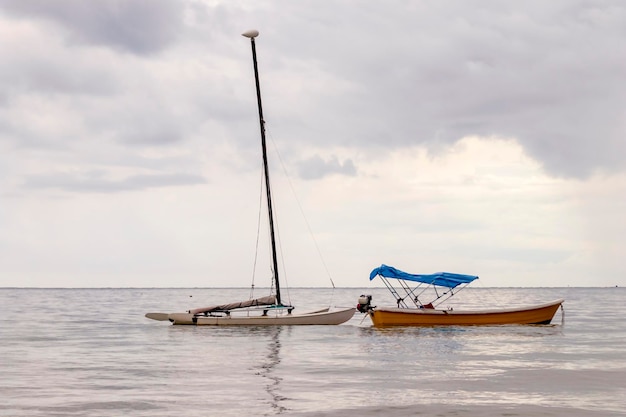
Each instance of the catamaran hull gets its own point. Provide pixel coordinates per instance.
(321, 317)
(539, 314)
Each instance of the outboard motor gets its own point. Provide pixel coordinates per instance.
(365, 303)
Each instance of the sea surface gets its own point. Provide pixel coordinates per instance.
(91, 352)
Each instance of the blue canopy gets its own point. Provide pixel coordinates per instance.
(442, 279)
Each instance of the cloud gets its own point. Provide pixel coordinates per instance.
(315, 167)
(551, 76)
(96, 182)
(478, 136)
(135, 26)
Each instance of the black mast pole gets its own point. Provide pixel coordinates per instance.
(253, 34)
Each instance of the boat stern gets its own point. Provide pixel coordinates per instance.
(182, 318)
(364, 303)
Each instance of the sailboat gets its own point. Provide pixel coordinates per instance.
(264, 311)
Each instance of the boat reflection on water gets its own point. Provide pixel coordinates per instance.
(268, 369)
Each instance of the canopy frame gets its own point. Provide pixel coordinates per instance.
(444, 284)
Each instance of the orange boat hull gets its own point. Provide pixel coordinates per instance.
(539, 314)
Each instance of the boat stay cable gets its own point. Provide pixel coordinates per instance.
(258, 233)
(293, 191)
(279, 244)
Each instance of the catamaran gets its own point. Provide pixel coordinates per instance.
(264, 311)
(413, 310)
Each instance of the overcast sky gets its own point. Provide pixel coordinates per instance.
(482, 137)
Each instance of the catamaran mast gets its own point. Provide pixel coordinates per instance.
(253, 34)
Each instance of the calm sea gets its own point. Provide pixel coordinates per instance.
(91, 352)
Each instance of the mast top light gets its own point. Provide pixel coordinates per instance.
(251, 33)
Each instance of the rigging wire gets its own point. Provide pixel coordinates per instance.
(269, 246)
(258, 236)
(319, 252)
(282, 257)
(258, 233)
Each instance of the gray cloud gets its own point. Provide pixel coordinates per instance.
(551, 75)
(96, 182)
(136, 26)
(103, 100)
(372, 77)
(316, 168)
(47, 75)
